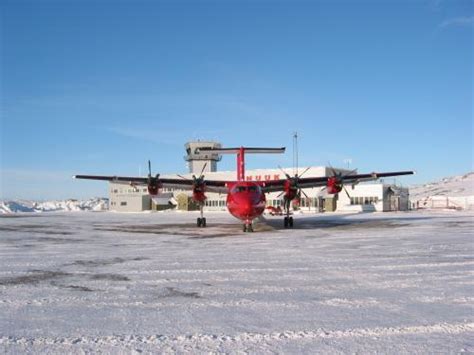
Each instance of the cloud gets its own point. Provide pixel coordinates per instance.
(142, 134)
(465, 21)
(166, 135)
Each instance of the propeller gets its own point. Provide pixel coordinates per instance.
(338, 180)
(151, 178)
(197, 181)
(153, 181)
(294, 181)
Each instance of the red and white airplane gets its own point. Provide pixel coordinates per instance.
(246, 199)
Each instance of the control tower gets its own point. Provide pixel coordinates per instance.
(197, 160)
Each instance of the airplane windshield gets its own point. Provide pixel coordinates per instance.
(245, 188)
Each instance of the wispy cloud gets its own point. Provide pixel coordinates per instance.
(150, 135)
(164, 135)
(464, 21)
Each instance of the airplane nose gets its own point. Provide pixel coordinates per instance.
(247, 208)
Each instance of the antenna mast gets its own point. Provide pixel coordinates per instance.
(295, 153)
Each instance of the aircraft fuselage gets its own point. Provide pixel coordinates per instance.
(246, 200)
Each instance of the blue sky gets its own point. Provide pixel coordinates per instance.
(100, 87)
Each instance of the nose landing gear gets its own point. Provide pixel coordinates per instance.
(248, 227)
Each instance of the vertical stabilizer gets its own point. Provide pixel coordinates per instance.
(241, 155)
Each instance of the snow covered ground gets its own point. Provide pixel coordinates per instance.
(152, 282)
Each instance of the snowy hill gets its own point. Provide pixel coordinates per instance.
(451, 192)
(94, 204)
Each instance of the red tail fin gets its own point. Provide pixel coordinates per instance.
(241, 155)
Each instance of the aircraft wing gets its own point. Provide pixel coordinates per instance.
(182, 184)
(279, 185)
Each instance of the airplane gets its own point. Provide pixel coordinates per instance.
(246, 199)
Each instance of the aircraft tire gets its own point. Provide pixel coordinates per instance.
(203, 222)
(285, 222)
(290, 222)
(199, 222)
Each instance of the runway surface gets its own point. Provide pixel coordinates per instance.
(82, 282)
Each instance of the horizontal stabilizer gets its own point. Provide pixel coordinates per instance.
(247, 150)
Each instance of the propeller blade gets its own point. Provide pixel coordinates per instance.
(334, 173)
(284, 172)
(184, 178)
(202, 170)
(149, 167)
(304, 193)
(304, 171)
(281, 193)
(347, 193)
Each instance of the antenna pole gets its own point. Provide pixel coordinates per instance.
(295, 153)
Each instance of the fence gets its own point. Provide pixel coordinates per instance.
(445, 202)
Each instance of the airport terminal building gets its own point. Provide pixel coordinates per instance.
(374, 196)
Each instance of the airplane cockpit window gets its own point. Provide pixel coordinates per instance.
(251, 188)
(239, 189)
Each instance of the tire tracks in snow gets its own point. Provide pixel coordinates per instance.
(211, 341)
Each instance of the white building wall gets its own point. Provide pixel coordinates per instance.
(364, 197)
(374, 197)
(126, 198)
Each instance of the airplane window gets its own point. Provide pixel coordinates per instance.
(239, 189)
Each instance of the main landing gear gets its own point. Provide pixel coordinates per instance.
(201, 221)
(288, 220)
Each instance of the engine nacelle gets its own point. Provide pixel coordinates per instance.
(334, 185)
(290, 190)
(199, 193)
(153, 188)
